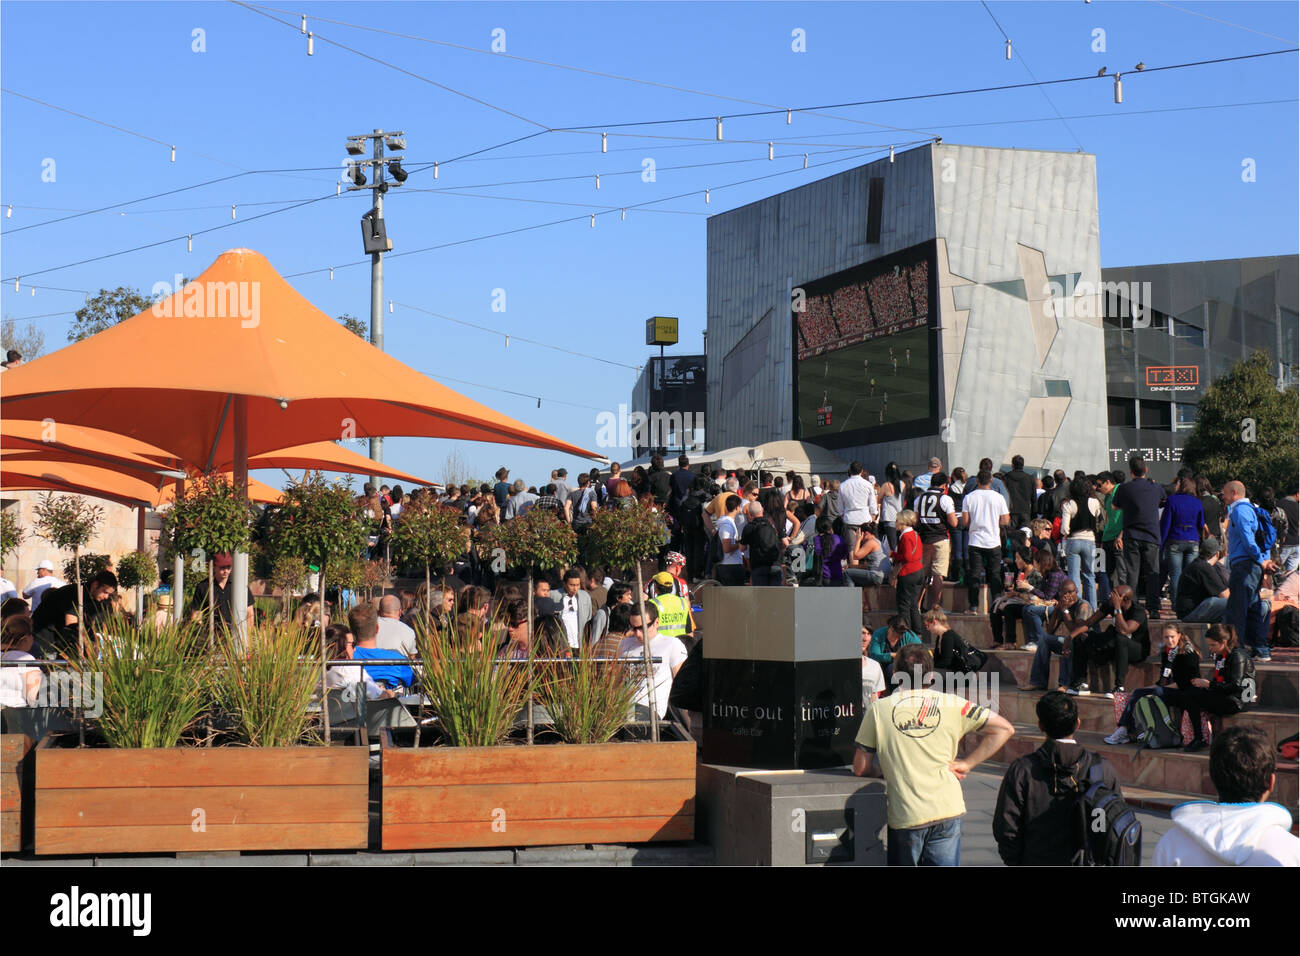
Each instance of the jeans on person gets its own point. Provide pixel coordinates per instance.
(985, 568)
(865, 578)
(730, 575)
(908, 596)
(1142, 561)
(959, 538)
(1178, 555)
(1049, 644)
(1034, 621)
(890, 533)
(1209, 611)
(1078, 562)
(938, 844)
(1003, 623)
(1110, 645)
(1244, 606)
(1126, 718)
(1288, 559)
(767, 577)
(1200, 700)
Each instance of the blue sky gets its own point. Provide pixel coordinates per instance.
(1170, 169)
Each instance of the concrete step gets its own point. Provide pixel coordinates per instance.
(1158, 770)
(1098, 714)
(953, 599)
(1279, 684)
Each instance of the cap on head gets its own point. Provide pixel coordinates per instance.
(220, 561)
(663, 577)
(46, 565)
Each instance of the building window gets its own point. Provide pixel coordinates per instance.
(1121, 413)
(1057, 388)
(1189, 334)
(1155, 415)
(1184, 416)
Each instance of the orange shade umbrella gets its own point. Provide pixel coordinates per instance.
(239, 343)
(51, 441)
(327, 456)
(28, 475)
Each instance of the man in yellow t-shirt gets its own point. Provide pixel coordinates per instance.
(911, 738)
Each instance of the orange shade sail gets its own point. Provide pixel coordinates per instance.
(26, 475)
(173, 376)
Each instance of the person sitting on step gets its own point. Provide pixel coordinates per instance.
(1179, 666)
(1071, 614)
(1230, 691)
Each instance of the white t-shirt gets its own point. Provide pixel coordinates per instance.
(569, 615)
(857, 498)
(7, 590)
(727, 531)
(13, 680)
(395, 636)
(985, 507)
(36, 590)
(873, 681)
(672, 654)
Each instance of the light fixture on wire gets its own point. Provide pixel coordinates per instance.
(623, 216)
(304, 24)
(719, 130)
(507, 341)
(593, 220)
(771, 152)
(33, 290)
(1119, 89)
(435, 170)
(189, 243)
(173, 154)
(338, 188)
(789, 116)
(390, 306)
(539, 403)
(598, 180)
(706, 195)
(891, 154)
(805, 160)
(331, 273)
(1008, 48)
(604, 142)
(9, 211)
(311, 44)
(16, 278)
(232, 212)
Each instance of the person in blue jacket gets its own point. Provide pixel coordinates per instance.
(887, 641)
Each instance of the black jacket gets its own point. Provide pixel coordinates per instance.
(1020, 486)
(763, 542)
(660, 483)
(1183, 668)
(1230, 678)
(1033, 817)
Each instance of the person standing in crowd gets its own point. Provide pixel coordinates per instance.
(1242, 828)
(658, 481)
(830, 548)
(911, 738)
(1020, 486)
(1079, 514)
(574, 607)
(935, 515)
(1246, 611)
(1213, 507)
(909, 574)
(1108, 483)
(562, 488)
(891, 503)
(856, 502)
(44, 580)
(670, 651)
(984, 515)
(1203, 588)
(1141, 499)
(501, 490)
(762, 541)
(1289, 544)
(521, 501)
(926, 478)
(986, 464)
(957, 561)
(1038, 800)
(1182, 526)
(729, 569)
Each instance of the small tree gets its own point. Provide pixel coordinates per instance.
(320, 523)
(429, 534)
(622, 538)
(212, 518)
(12, 534)
(106, 310)
(288, 574)
(69, 522)
(139, 570)
(535, 541)
(86, 567)
(1246, 428)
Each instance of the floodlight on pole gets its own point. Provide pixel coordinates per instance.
(395, 143)
(355, 147)
(396, 171)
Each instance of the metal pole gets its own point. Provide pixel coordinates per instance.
(239, 569)
(377, 280)
(178, 566)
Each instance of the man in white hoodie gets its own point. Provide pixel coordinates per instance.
(1241, 829)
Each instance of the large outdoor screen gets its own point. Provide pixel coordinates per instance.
(864, 352)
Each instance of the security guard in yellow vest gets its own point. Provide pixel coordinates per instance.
(674, 612)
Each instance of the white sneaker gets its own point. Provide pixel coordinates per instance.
(1120, 736)
(1080, 691)
(1030, 647)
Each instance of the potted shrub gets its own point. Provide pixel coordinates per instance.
(139, 570)
(69, 522)
(147, 791)
(429, 535)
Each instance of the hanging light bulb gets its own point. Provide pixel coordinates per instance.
(232, 211)
(507, 341)
(539, 403)
(338, 188)
(623, 217)
(331, 273)
(719, 129)
(189, 243)
(891, 154)
(805, 160)
(771, 153)
(1119, 90)
(9, 212)
(16, 278)
(598, 180)
(311, 45)
(304, 23)
(173, 154)
(706, 195)
(33, 290)
(435, 170)
(390, 306)
(788, 116)
(1008, 49)
(604, 142)
(593, 220)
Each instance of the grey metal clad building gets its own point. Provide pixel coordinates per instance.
(1192, 322)
(945, 303)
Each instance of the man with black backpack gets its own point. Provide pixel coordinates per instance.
(1061, 805)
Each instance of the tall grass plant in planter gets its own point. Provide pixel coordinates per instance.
(589, 700)
(622, 538)
(266, 691)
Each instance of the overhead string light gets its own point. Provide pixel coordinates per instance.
(1119, 90)
(173, 154)
(232, 212)
(189, 243)
(604, 142)
(1008, 48)
(598, 180)
(805, 160)
(304, 24)
(719, 131)
(771, 153)
(331, 273)
(9, 212)
(593, 220)
(16, 278)
(891, 154)
(789, 114)
(311, 44)
(507, 341)
(435, 170)
(623, 216)
(706, 195)
(390, 306)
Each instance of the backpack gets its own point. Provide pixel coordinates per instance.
(969, 658)
(1106, 830)
(690, 514)
(1155, 725)
(715, 554)
(1265, 531)
(1287, 627)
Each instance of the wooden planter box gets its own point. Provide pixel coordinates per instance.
(199, 799)
(15, 792)
(449, 797)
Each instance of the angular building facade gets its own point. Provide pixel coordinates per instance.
(947, 302)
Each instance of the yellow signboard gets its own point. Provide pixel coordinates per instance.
(661, 330)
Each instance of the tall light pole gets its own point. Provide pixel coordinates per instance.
(373, 232)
